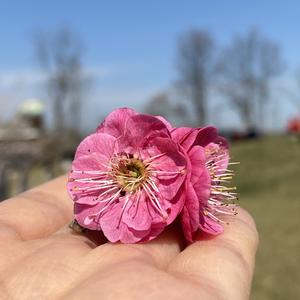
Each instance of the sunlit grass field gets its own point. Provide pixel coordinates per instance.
(268, 180)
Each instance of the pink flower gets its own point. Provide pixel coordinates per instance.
(127, 178)
(207, 196)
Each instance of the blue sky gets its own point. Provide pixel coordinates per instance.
(131, 45)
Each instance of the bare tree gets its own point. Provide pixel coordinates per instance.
(158, 105)
(271, 66)
(290, 91)
(247, 68)
(195, 66)
(161, 105)
(295, 97)
(60, 56)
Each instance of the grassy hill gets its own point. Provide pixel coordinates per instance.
(268, 180)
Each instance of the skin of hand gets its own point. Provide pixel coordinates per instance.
(41, 258)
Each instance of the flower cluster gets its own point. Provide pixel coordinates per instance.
(136, 174)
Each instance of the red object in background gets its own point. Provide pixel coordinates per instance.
(294, 125)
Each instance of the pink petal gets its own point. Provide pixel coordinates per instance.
(202, 187)
(179, 133)
(99, 143)
(209, 226)
(176, 205)
(87, 200)
(115, 229)
(129, 235)
(197, 159)
(92, 162)
(111, 224)
(92, 157)
(156, 229)
(222, 142)
(137, 215)
(171, 161)
(83, 212)
(167, 123)
(185, 136)
(186, 225)
(188, 137)
(190, 214)
(115, 123)
(206, 135)
(141, 128)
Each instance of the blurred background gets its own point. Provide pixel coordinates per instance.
(233, 64)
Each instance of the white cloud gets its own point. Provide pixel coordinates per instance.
(28, 77)
(10, 78)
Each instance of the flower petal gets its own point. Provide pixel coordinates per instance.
(115, 122)
(176, 205)
(190, 214)
(167, 123)
(156, 229)
(210, 226)
(202, 187)
(137, 215)
(129, 235)
(170, 167)
(141, 128)
(206, 135)
(222, 142)
(99, 143)
(115, 229)
(197, 159)
(83, 212)
(185, 136)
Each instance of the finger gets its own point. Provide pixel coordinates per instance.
(37, 212)
(51, 266)
(166, 246)
(223, 263)
(128, 270)
(158, 252)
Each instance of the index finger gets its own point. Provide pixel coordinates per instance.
(224, 264)
(37, 212)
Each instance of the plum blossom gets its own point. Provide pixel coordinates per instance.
(208, 198)
(127, 178)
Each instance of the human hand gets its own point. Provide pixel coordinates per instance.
(41, 258)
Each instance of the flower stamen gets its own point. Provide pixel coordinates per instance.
(222, 197)
(127, 175)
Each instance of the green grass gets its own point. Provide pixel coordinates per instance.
(268, 181)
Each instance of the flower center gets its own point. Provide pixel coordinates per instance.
(126, 176)
(129, 173)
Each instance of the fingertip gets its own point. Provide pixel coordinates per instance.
(226, 260)
(239, 229)
(244, 226)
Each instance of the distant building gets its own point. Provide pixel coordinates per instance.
(33, 112)
(23, 143)
(27, 124)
